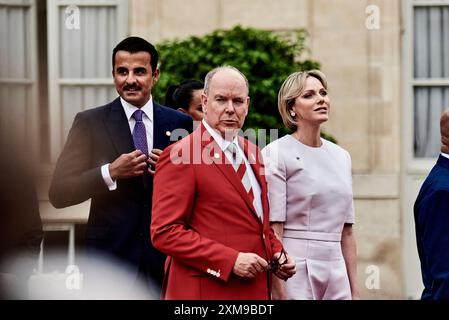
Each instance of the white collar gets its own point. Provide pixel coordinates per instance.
(445, 155)
(222, 143)
(129, 108)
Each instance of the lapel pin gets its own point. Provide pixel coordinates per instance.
(168, 133)
(216, 156)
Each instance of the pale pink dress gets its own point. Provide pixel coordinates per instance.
(310, 190)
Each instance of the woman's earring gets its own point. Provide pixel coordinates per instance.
(292, 113)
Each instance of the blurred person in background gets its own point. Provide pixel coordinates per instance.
(20, 223)
(186, 98)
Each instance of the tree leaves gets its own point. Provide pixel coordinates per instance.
(265, 57)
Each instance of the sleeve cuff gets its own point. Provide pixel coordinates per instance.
(111, 184)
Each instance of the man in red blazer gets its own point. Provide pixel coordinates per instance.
(212, 223)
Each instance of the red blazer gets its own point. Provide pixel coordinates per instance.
(202, 218)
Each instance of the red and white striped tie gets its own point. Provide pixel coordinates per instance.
(239, 166)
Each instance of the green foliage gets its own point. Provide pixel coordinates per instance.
(266, 58)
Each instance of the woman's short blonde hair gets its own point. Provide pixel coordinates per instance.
(292, 87)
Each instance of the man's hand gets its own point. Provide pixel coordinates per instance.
(286, 270)
(249, 265)
(128, 165)
(152, 159)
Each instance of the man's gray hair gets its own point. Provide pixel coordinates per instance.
(211, 73)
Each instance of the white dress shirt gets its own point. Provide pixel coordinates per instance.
(224, 144)
(147, 118)
(445, 155)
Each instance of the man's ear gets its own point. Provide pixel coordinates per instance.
(204, 102)
(156, 75)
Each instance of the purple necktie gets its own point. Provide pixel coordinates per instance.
(139, 133)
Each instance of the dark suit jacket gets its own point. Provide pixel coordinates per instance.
(432, 231)
(202, 219)
(119, 220)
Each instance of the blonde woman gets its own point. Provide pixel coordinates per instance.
(310, 192)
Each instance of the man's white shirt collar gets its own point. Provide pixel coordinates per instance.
(129, 108)
(445, 155)
(222, 143)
